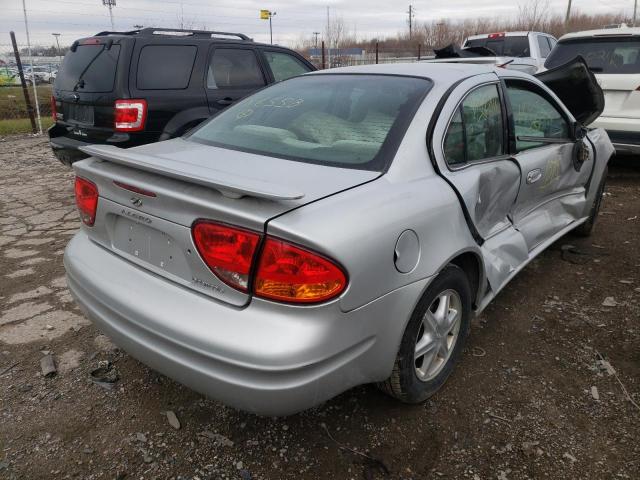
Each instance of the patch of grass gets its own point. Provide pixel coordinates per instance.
(21, 125)
(13, 106)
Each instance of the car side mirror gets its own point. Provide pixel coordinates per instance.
(580, 153)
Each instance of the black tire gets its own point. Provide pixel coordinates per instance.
(404, 383)
(586, 228)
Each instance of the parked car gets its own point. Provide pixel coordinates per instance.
(334, 229)
(613, 54)
(138, 87)
(43, 74)
(522, 51)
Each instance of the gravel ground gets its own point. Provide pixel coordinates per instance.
(549, 385)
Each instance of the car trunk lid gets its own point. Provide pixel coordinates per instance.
(621, 94)
(150, 197)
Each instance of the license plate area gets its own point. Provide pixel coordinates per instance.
(80, 114)
(148, 245)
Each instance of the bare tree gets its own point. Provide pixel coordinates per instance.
(533, 15)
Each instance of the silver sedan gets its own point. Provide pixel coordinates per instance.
(334, 229)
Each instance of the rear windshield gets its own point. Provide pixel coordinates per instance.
(91, 68)
(345, 120)
(503, 46)
(603, 55)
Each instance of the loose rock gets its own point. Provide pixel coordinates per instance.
(173, 420)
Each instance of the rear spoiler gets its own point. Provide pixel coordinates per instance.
(577, 87)
(229, 185)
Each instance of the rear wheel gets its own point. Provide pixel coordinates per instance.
(433, 340)
(586, 228)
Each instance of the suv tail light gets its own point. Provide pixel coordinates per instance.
(54, 111)
(86, 200)
(227, 251)
(292, 274)
(130, 115)
(283, 272)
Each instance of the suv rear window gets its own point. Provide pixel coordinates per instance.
(91, 68)
(603, 55)
(504, 46)
(165, 67)
(345, 120)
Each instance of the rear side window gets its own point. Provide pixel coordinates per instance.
(476, 130)
(543, 44)
(234, 68)
(603, 55)
(504, 46)
(165, 67)
(284, 66)
(91, 68)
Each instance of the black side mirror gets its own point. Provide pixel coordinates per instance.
(580, 153)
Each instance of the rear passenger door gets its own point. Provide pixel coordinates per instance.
(283, 65)
(231, 73)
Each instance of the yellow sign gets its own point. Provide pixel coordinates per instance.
(265, 14)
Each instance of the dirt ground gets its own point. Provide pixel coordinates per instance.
(542, 390)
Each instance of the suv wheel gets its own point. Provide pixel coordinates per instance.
(433, 340)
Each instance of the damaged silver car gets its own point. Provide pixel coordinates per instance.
(334, 229)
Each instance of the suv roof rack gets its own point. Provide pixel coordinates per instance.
(176, 32)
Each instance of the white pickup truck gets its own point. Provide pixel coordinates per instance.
(524, 51)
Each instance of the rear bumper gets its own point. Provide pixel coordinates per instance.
(66, 148)
(266, 358)
(623, 132)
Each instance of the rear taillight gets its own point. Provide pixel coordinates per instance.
(130, 115)
(293, 274)
(283, 272)
(496, 35)
(86, 200)
(227, 251)
(54, 110)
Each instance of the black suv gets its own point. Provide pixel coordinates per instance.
(132, 88)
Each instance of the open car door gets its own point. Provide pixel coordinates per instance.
(577, 88)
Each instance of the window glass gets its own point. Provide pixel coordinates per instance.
(284, 65)
(535, 116)
(350, 121)
(91, 68)
(165, 67)
(476, 132)
(543, 44)
(454, 141)
(234, 68)
(603, 55)
(508, 46)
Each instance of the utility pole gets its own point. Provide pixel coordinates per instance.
(315, 43)
(58, 44)
(25, 91)
(110, 4)
(566, 19)
(412, 14)
(328, 40)
(33, 76)
(635, 10)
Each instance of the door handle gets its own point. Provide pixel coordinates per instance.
(534, 175)
(225, 101)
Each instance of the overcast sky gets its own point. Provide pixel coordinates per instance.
(77, 18)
